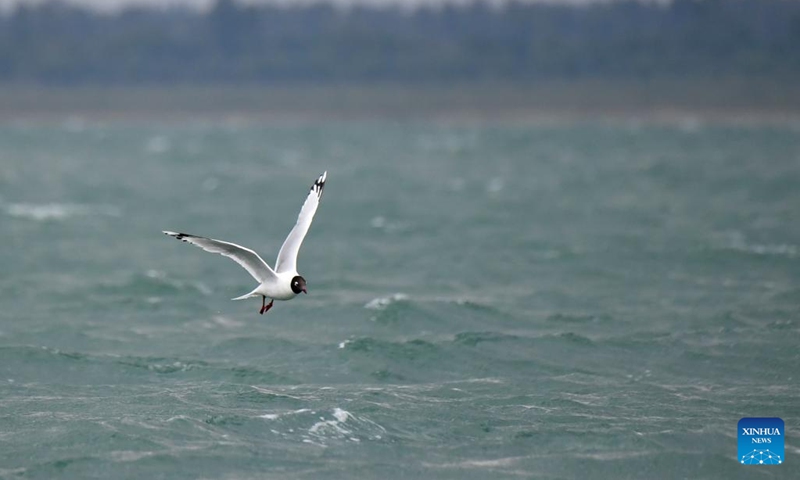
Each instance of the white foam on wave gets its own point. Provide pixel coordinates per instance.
(382, 223)
(58, 211)
(735, 240)
(321, 427)
(382, 302)
(156, 274)
(613, 456)
(129, 455)
(776, 249)
(275, 416)
(161, 276)
(474, 463)
(332, 428)
(12, 471)
(275, 393)
(341, 415)
(227, 322)
(324, 427)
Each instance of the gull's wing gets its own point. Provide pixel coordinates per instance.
(287, 257)
(245, 257)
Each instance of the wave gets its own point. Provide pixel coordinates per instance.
(32, 352)
(34, 358)
(392, 308)
(449, 357)
(399, 298)
(381, 303)
(42, 212)
(153, 282)
(405, 350)
(162, 365)
(436, 313)
(573, 318)
(789, 297)
(782, 249)
(472, 339)
(214, 370)
(321, 427)
(736, 241)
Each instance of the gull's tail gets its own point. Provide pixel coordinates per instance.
(248, 295)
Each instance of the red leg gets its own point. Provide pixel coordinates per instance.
(269, 305)
(263, 305)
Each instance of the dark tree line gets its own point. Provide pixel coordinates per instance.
(233, 43)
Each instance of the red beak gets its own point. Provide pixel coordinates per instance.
(304, 290)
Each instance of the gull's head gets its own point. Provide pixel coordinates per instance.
(299, 285)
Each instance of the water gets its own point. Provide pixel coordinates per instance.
(501, 299)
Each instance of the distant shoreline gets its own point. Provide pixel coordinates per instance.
(657, 100)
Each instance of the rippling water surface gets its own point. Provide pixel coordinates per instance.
(492, 300)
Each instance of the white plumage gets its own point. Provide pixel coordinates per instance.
(283, 283)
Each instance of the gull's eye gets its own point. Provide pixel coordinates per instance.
(297, 284)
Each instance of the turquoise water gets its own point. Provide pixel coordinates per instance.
(488, 300)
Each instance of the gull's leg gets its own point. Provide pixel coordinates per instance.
(263, 305)
(269, 305)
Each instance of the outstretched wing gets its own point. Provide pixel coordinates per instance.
(245, 257)
(287, 257)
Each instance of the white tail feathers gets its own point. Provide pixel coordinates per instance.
(247, 295)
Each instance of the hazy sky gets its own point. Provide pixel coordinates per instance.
(114, 5)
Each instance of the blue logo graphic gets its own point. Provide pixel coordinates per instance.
(761, 441)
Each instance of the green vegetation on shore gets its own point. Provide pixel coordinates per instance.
(56, 44)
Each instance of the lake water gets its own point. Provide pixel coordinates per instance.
(496, 299)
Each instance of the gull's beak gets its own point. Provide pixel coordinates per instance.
(304, 290)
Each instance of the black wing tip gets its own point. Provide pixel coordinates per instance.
(319, 184)
(177, 235)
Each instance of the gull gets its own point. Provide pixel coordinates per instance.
(282, 283)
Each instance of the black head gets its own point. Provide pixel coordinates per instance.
(299, 285)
